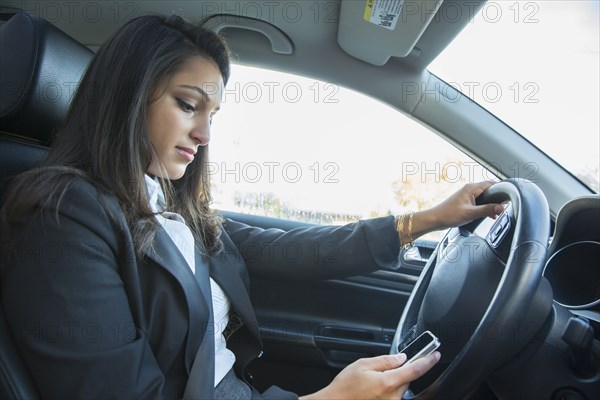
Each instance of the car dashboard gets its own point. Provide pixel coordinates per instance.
(567, 348)
(573, 264)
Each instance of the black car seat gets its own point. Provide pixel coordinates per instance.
(40, 67)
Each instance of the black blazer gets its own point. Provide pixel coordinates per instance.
(92, 320)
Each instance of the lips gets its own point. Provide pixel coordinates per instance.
(186, 152)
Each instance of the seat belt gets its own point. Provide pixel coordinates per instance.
(201, 382)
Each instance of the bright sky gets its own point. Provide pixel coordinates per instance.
(544, 57)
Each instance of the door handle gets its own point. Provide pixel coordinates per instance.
(413, 255)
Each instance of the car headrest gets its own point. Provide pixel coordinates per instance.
(40, 69)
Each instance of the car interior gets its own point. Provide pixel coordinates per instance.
(522, 324)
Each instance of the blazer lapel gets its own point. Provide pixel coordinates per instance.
(224, 270)
(168, 256)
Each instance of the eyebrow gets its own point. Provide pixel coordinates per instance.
(202, 92)
(197, 89)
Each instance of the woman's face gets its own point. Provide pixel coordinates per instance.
(179, 120)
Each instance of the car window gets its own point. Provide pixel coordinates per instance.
(539, 71)
(291, 147)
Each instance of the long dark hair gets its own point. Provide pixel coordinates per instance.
(105, 138)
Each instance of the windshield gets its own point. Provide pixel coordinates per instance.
(535, 65)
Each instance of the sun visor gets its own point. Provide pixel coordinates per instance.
(375, 30)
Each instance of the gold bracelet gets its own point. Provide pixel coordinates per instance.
(400, 228)
(411, 242)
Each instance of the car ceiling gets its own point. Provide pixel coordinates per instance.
(311, 26)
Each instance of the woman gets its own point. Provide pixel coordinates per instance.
(121, 282)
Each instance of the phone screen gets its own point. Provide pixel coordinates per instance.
(425, 344)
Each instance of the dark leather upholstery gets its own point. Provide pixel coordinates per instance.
(40, 68)
(39, 71)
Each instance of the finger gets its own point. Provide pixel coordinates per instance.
(487, 210)
(383, 363)
(494, 210)
(411, 371)
(498, 209)
(480, 187)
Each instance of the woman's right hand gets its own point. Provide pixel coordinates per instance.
(382, 377)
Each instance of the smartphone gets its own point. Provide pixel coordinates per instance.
(424, 345)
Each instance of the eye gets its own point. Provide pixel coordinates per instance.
(185, 106)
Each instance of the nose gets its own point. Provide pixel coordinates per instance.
(201, 132)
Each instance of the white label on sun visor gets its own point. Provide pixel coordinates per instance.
(384, 13)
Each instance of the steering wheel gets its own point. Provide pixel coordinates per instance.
(483, 297)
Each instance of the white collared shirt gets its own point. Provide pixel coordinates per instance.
(180, 233)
